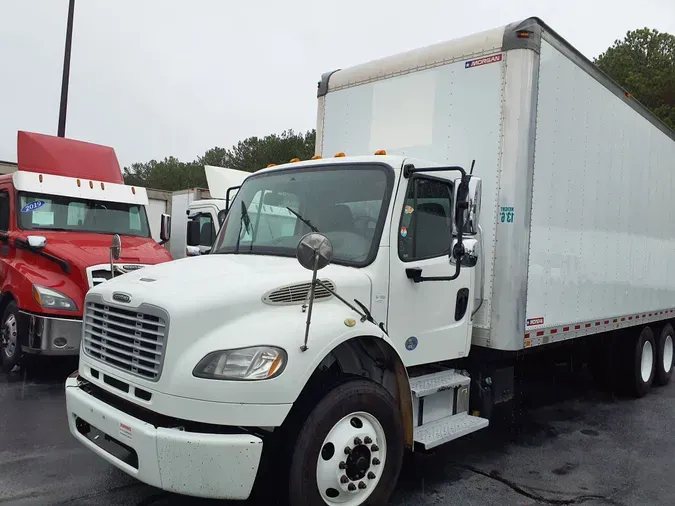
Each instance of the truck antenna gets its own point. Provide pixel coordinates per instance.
(472, 165)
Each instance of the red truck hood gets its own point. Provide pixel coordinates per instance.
(85, 249)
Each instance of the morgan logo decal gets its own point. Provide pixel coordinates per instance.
(121, 297)
(483, 61)
(534, 321)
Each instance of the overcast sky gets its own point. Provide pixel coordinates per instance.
(155, 78)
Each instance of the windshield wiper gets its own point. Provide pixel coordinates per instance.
(304, 220)
(243, 220)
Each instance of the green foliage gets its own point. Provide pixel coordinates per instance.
(250, 154)
(644, 64)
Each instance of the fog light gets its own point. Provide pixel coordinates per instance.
(60, 342)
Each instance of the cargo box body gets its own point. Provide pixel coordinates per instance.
(577, 175)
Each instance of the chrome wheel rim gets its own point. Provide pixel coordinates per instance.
(351, 460)
(646, 361)
(668, 354)
(9, 334)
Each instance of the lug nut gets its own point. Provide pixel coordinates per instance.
(357, 441)
(343, 466)
(344, 479)
(362, 485)
(376, 461)
(374, 448)
(348, 450)
(371, 475)
(351, 487)
(367, 440)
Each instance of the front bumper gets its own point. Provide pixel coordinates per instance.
(219, 466)
(51, 335)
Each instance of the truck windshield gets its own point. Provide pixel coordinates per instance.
(273, 210)
(56, 212)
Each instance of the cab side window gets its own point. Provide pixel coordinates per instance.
(207, 231)
(426, 222)
(4, 211)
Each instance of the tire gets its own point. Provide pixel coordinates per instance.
(639, 375)
(10, 348)
(664, 355)
(351, 411)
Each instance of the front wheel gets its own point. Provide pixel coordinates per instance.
(349, 450)
(10, 346)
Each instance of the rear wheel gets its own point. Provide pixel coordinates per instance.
(664, 355)
(10, 347)
(641, 359)
(349, 450)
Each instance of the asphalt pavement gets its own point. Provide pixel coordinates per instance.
(575, 444)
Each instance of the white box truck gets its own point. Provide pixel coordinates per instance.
(430, 276)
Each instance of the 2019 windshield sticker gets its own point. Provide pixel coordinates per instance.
(29, 208)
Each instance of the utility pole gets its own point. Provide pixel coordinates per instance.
(66, 70)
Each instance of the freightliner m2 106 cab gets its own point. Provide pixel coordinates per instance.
(59, 213)
(389, 307)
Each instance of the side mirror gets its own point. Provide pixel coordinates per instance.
(37, 241)
(165, 228)
(192, 251)
(314, 252)
(472, 212)
(116, 248)
(193, 233)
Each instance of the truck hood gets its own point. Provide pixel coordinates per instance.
(223, 282)
(217, 302)
(85, 249)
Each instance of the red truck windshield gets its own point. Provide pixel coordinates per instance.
(55, 212)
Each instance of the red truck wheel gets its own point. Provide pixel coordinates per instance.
(10, 347)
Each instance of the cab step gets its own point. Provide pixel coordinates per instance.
(429, 384)
(446, 429)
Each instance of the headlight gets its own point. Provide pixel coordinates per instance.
(51, 299)
(255, 363)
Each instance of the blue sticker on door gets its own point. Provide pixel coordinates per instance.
(29, 208)
(411, 343)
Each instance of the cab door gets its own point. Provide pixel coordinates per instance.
(207, 218)
(428, 321)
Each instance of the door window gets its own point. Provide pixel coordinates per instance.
(4, 211)
(207, 231)
(426, 221)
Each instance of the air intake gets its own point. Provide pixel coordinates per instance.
(297, 294)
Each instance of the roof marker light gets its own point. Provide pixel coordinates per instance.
(380, 152)
(40, 177)
(294, 160)
(133, 190)
(78, 183)
(339, 155)
(271, 165)
(91, 185)
(523, 35)
(316, 157)
(102, 186)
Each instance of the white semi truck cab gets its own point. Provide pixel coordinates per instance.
(189, 380)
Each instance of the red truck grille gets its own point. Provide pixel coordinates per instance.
(125, 338)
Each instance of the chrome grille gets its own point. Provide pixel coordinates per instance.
(296, 294)
(126, 339)
(101, 273)
(99, 276)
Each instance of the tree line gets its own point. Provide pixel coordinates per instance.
(643, 63)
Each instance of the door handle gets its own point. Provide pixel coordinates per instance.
(414, 273)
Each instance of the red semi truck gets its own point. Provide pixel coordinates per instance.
(60, 213)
